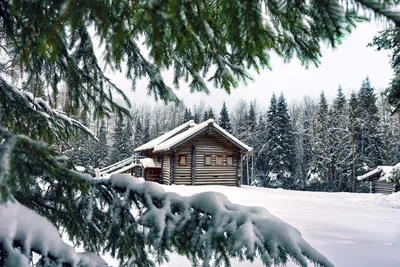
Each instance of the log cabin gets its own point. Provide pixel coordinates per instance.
(195, 154)
(383, 179)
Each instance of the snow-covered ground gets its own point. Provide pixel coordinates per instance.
(349, 229)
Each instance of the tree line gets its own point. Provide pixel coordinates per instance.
(310, 145)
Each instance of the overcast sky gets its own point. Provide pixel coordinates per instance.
(347, 65)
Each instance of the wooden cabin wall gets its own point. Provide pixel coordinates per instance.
(205, 144)
(382, 187)
(165, 171)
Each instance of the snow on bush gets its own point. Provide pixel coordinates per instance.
(32, 232)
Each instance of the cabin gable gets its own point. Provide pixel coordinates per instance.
(196, 171)
(198, 154)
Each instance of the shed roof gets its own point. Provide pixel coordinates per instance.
(384, 173)
(193, 131)
(150, 163)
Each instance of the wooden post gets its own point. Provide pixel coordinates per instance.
(371, 186)
(247, 169)
(239, 168)
(252, 167)
(396, 186)
(193, 165)
(161, 171)
(172, 168)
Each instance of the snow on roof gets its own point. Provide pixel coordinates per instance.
(126, 168)
(390, 172)
(168, 144)
(369, 174)
(385, 173)
(150, 163)
(153, 143)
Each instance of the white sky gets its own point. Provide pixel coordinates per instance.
(347, 65)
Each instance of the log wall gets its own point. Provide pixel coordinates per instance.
(383, 187)
(206, 144)
(165, 174)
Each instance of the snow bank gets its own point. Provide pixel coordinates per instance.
(34, 232)
(251, 228)
(351, 230)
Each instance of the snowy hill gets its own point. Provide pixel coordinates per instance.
(349, 229)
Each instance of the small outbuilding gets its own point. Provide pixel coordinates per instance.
(195, 154)
(383, 179)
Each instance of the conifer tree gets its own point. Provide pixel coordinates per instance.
(340, 144)
(281, 148)
(117, 144)
(139, 133)
(103, 146)
(323, 143)
(261, 155)
(370, 145)
(389, 39)
(52, 39)
(146, 132)
(188, 115)
(224, 120)
(354, 130)
(205, 116)
(211, 113)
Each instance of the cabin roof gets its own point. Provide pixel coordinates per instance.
(153, 143)
(150, 163)
(384, 173)
(193, 131)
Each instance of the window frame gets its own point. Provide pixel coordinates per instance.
(216, 160)
(205, 162)
(227, 161)
(182, 156)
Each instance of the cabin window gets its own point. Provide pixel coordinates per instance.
(183, 160)
(218, 161)
(207, 160)
(229, 160)
(152, 171)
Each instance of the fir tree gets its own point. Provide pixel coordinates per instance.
(339, 144)
(323, 145)
(261, 162)
(117, 141)
(389, 39)
(52, 38)
(188, 115)
(211, 114)
(205, 116)
(224, 120)
(103, 146)
(146, 132)
(139, 133)
(281, 148)
(353, 130)
(369, 145)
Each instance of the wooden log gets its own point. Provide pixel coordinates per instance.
(172, 172)
(193, 165)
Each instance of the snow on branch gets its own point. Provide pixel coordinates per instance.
(385, 8)
(55, 118)
(208, 226)
(20, 225)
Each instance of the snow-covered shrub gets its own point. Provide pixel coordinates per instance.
(395, 173)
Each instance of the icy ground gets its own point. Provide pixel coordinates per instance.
(349, 229)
